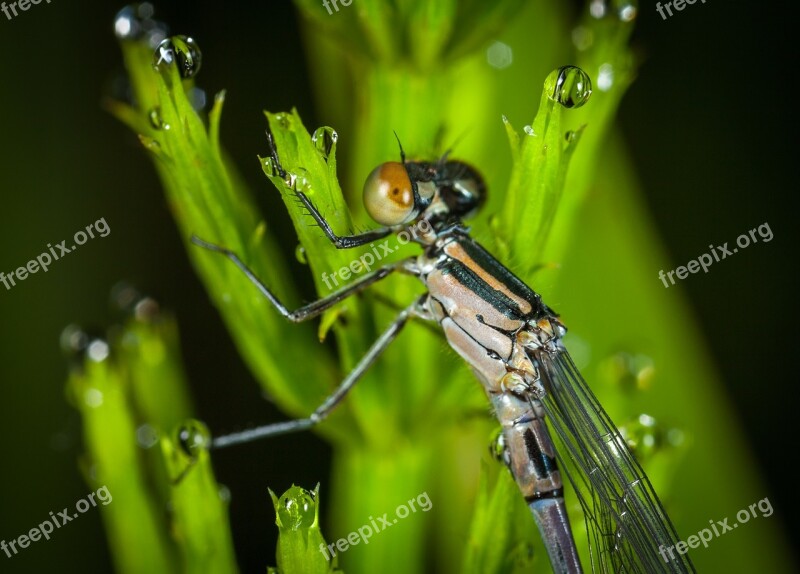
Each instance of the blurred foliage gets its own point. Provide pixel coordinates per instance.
(568, 221)
(131, 392)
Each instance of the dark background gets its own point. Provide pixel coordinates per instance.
(706, 123)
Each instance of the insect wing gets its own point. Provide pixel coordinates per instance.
(626, 523)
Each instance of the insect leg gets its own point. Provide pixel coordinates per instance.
(342, 241)
(333, 399)
(317, 307)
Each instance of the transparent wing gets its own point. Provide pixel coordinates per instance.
(626, 524)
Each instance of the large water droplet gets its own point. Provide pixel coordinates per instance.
(529, 130)
(569, 86)
(324, 139)
(135, 22)
(182, 51)
(300, 254)
(297, 508)
(193, 437)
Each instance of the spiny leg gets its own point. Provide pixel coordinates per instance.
(342, 241)
(339, 241)
(333, 399)
(316, 307)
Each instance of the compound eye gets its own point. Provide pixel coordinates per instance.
(388, 195)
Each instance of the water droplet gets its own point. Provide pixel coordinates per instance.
(627, 11)
(156, 120)
(193, 437)
(146, 310)
(124, 296)
(324, 140)
(605, 77)
(146, 436)
(98, 350)
(644, 436)
(497, 448)
(269, 166)
(73, 340)
(598, 8)
(569, 136)
(624, 10)
(297, 508)
(135, 22)
(150, 144)
(224, 493)
(569, 86)
(631, 372)
(182, 51)
(93, 398)
(283, 119)
(197, 97)
(300, 254)
(499, 55)
(529, 130)
(582, 38)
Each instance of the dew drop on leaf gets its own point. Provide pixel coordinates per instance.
(324, 139)
(182, 51)
(569, 86)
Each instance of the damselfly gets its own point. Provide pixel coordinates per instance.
(513, 342)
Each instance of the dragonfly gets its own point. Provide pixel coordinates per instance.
(553, 426)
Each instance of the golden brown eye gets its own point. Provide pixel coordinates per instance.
(388, 195)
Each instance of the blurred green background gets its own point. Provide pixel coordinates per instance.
(709, 144)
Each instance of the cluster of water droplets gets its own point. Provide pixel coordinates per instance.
(623, 10)
(646, 437)
(131, 302)
(79, 344)
(136, 22)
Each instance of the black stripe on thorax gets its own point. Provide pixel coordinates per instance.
(469, 279)
(499, 271)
